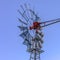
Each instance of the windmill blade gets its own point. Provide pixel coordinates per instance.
(26, 42)
(36, 17)
(22, 21)
(22, 28)
(32, 11)
(23, 35)
(22, 15)
(27, 10)
(33, 14)
(27, 38)
(26, 7)
(28, 13)
(24, 12)
(22, 7)
(50, 23)
(42, 51)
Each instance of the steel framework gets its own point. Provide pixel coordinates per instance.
(33, 40)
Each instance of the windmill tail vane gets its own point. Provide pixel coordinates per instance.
(32, 31)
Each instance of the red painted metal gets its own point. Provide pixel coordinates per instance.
(36, 25)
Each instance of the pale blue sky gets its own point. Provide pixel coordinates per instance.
(11, 47)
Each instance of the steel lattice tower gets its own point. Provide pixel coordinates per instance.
(35, 49)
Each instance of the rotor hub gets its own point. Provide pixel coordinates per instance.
(36, 25)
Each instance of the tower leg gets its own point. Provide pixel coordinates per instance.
(35, 55)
